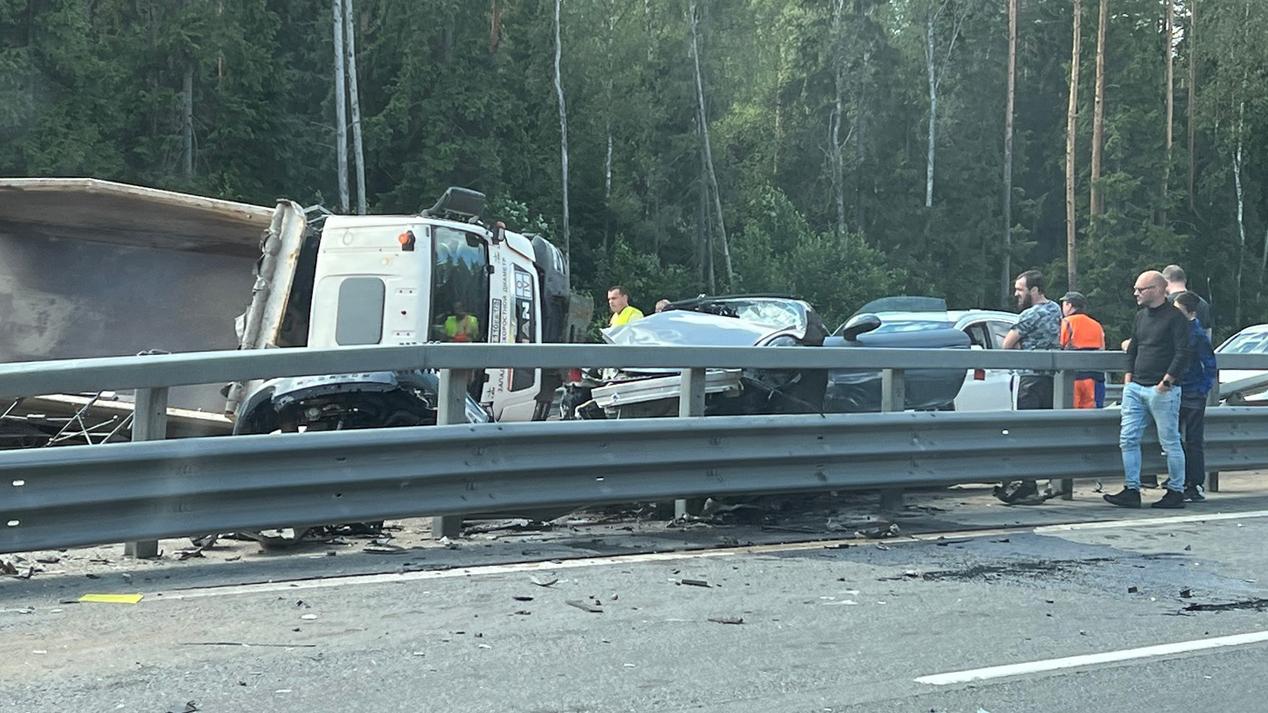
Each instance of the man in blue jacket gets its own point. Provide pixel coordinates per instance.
(1197, 382)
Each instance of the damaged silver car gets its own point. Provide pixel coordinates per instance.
(743, 321)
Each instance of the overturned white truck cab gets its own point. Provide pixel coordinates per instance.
(96, 268)
(400, 280)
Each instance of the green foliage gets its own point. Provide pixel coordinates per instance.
(451, 95)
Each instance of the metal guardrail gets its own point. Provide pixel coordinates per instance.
(92, 494)
(82, 495)
(167, 370)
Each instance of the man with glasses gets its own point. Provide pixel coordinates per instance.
(1158, 356)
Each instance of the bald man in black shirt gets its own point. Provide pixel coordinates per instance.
(1158, 356)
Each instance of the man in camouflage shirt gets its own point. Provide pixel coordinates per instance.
(1038, 327)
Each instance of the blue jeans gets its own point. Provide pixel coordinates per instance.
(1140, 403)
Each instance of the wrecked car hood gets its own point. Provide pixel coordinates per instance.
(693, 329)
(684, 328)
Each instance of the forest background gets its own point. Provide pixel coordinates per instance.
(837, 150)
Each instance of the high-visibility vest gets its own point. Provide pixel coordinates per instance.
(1081, 332)
(466, 329)
(625, 316)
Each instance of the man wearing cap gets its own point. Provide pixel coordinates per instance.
(1081, 332)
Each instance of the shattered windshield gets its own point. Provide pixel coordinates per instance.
(780, 314)
(1254, 343)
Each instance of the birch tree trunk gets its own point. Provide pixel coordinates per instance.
(1241, 212)
(705, 145)
(187, 121)
(1191, 108)
(607, 158)
(1168, 32)
(836, 157)
(341, 118)
(563, 133)
(930, 17)
(358, 148)
(1006, 277)
(1096, 205)
(934, 73)
(1072, 114)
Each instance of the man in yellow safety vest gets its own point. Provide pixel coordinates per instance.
(622, 311)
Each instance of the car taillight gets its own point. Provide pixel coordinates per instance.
(574, 375)
(979, 375)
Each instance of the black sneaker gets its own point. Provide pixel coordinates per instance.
(1193, 494)
(1127, 498)
(1172, 500)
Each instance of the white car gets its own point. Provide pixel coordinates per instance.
(1251, 340)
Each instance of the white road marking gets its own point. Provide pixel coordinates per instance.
(1021, 669)
(1147, 521)
(479, 570)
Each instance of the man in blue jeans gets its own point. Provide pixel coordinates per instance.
(1158, 357)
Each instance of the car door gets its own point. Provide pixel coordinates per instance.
(999, 329)
(984, 389)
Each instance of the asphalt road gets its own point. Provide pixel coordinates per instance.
(866, 627)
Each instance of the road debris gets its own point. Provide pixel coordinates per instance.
(383, 547)
(524, 612)
(1186, 593)
(522, 598)
(48, 560)
(512, 525)
(6, 567)
(188, 553)
(1255, 604)
(448, 543)
(1132, 590)
(726, 619)
(308, 617)
(111, 598)
(691, 583)
(545, 582)
(585, 606)
(880, 532)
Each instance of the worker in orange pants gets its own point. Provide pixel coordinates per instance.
(1081, 332)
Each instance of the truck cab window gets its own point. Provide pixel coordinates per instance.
(360, 314)
(460, 292)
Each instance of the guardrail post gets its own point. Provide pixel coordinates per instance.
(893, 399)
(451, 408)
(149, 423)
(1063, 397)
(1213, 477)
(690, 404)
